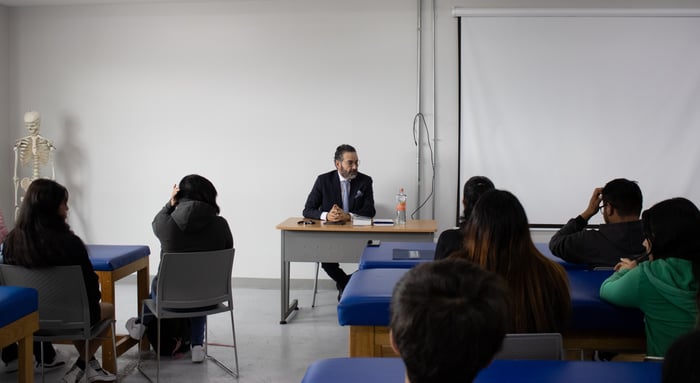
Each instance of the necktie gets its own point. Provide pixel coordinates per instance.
(346, 192)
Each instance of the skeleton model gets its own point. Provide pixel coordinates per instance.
(33, 150)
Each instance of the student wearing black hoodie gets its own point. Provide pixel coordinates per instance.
(190, 222)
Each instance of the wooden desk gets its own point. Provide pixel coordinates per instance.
(112, 263)
(337, 243)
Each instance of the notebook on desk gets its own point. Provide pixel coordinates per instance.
(404, 254)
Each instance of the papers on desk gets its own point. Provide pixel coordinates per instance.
(358, 220)
(383, 222)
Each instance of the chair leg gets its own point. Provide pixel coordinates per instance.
(157, 344)
(206, 337)
(114, 347)
(313, 299)
(87, 360)
(235, 351)
(41, 350)
(158, 352)
(235, 345)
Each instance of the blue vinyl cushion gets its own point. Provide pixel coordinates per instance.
(590, 313)
(386, 370)
(16, 302)
(112, 257)
(367, 297)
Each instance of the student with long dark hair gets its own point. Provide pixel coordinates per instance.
(497, 237)
(42, 238)
(451, 240)
(666, 287)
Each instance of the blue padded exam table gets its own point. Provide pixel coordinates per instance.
(19, 319)
(391, 370)
(595, 324)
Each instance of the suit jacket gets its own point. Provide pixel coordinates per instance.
(326, 192)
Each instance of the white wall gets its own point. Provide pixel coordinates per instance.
(253, 95)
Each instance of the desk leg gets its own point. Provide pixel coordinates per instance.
(286, 308)
(109, 362)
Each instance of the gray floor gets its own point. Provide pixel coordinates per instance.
(267, 351)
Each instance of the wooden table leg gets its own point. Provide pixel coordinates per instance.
(26, 360)
(109, 361)
(107, 281)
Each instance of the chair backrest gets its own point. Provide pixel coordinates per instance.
(194, 279)
(540, 346)
(63, 302)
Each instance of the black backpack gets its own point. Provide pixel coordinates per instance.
(174, 335)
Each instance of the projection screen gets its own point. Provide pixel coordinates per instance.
(556, 102)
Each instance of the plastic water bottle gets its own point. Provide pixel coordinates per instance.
(401, 207)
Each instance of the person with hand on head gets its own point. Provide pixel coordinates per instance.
(337, 194)
(620, 203)
(189, 222)
(448, 320)
(451, 240)
(664, 288)
(43, 238)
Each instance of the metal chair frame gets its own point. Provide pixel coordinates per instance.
(207, 291)
(64, 311)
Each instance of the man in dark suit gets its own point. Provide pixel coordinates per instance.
(338, 193)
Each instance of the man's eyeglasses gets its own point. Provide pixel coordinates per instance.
(602, 207)
(351, 163)
(305, 222)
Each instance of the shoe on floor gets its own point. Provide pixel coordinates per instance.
(95, 373)
(198, 354)
(12, 366)
(75, 374)
(136, 330)
(59, 360)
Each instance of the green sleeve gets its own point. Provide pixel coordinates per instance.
(622, 288)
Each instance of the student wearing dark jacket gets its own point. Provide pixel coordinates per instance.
(42, 238)
(452, 240)
(620, 203)
(189, 222)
